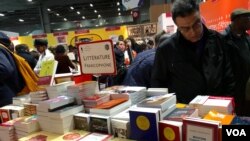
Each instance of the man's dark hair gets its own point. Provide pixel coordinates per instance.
(60, 49)
(21, 48)
(183, 8)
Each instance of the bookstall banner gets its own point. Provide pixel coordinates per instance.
(220, 18)
(131, 4)
(140, 31)
(97, 57)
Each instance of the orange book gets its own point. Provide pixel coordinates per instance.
(225, 119)
(111, 103)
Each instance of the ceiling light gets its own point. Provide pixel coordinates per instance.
(72, 8)
(57, 14)
(118, 3)
(99, 16)
(1, 14)
(29, 0)
(78, 12)
(91, 5)
(96, 25)
(83, 17)
(119, 14)
(21, 20)
(48, 10)
(95, 11)
(118, 9)
(65, 19)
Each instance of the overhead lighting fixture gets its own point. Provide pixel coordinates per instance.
(65, 19)
(1, 14)
(95, 11)
(78, 12)
(21, 20)
(99, 16)
(91, 5)
(72, 8)
(118, 3)
(29, 0)
(119, 9)
(48, 9)
(119, 14)
(83, 17)
(57, 14)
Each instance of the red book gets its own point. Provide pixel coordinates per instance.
(170, 130)
(200, 129)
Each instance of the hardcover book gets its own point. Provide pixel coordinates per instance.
(120, 128)
(81, 121)
(170, 130)
(100, 124)
(162, 101)
(144, 123)
(224, 119)
(179, 114)
(200, 129)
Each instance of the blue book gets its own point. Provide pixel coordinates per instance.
(144, 123)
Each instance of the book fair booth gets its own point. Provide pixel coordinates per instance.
(75, 107)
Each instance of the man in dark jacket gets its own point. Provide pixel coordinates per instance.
(139, 72)
(238, 46)
(11, 81)
(23, 51)
(192, 62)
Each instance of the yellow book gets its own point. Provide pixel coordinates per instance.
(48, 68)
(225, 119)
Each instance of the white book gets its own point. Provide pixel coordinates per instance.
(156, 91)
(100, 123)
(54, 103)
(61, 113)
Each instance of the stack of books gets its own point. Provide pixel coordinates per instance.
(136, 94)
(156, 91)
(100, 124)
(26, 126)
(10, 112)
(166, 103)
(58, 89)
(81, 121)
(38, 96)
(116, 104)
(30, 109)
(58, 113)
(80, 90)
(20, 100)
(7, 130)
(179, 114)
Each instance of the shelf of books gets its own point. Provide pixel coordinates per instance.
(81, 112)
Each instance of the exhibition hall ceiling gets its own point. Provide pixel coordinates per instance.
(16, 12)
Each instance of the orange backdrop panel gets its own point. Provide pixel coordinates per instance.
(216, 13)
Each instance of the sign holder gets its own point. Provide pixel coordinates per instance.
(97, 58)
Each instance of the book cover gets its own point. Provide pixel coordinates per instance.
(96, 137)
(170, 130)
(48, 68)
(224, 119)
(100, 124)
(162, 101)
(144, 123)
(200, 129)
(81, 121)
(5, 114)
(120, 128)
(179, 114)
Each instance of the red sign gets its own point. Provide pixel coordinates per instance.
(112, 28)
(82, 31)
(39, 36)
(220, 18)
(60, 33)
(13, 38)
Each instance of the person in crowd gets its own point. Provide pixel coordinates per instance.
(11, 81)
(35, 54)
(192, 61)
(121, 69)
(130, 41)
(139, 72)
(130, 53)
(64, 63)
(23, 51)
(45, 55)
(150, 44)
(238, 46)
